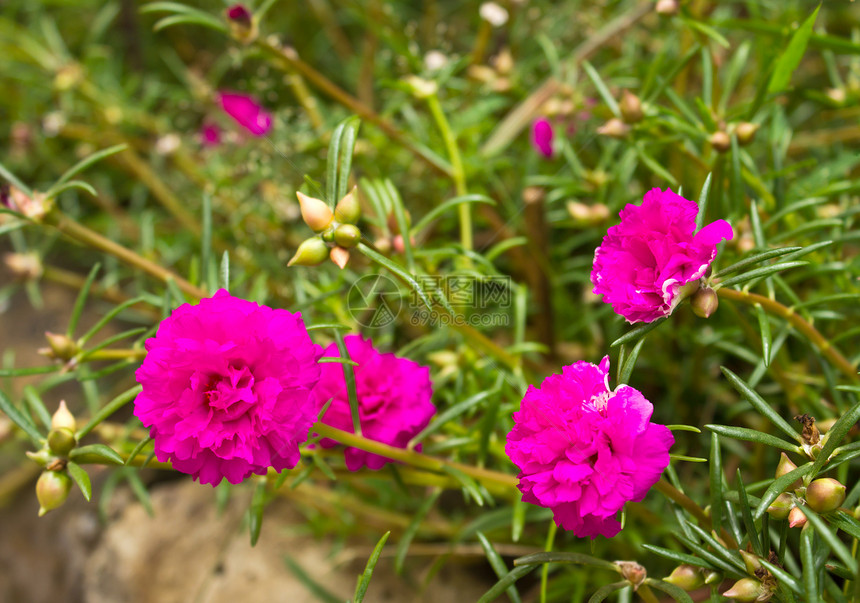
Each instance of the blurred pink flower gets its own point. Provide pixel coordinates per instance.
(210, 135)
(246, 112)
(644, 262)
(239, 13)
(227, 388)
(584, 450)
(542, 137)
(393, 399)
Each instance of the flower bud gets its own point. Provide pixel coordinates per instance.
(25, 266)
(347, 236)
(666, 7)
(720, 141)
(61, 441)
(780, 508)
(421, 88)
(796, 518)
(383, 245)
(63, 418)
(242, 25)
(825, 495)
(686, 577)
(52, 490)
(713, 577)
(751, 562)
(311, 252)
(315, 213)
(339, 256)
(631, 107)
(704, 302)
(348, 209)
(631, 571)
(393, 225)
(614, 128)
(61, 347)
(745, 590)
(786, 466)
(745, 132)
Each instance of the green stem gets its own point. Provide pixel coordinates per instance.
(500, 482)
(777, 309)
(689, 505)
(647, 594)
(457, 171)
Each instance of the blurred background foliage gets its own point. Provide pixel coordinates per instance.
(79, 77)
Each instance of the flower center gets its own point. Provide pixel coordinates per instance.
(231, 394)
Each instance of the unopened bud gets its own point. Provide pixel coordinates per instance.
(631, 107)
(686, 576)
(704, 302)
(421, 88)
(666, 7)
(26, 266)
(61, 346)
(493, 14)
(720, 141)
(751, 561)
(781, 507)
(786, 466)
(796, 518)
(383, 245)
(339, 256)
(348, 209)
(745, 590)
(631, 571)
(398, 245)
(614, 128)
(394, 226)
(347, 236)
(311, 252)
(63, 418)
(52, 490)
(61, 441)
(745, 132)
(825, 495)
(241, 22)
(713, 577)
(315, 212)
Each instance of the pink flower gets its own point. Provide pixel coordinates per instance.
(210, 135)
(643, 263)
(393, 399)
(542, 137)
(584, 450)
(227, 388)
(247, 112)
(239, 13)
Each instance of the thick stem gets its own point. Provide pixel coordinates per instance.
(777, 309)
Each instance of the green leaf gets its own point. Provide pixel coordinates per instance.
(13, 180)
(469, 485)
(638, 332)
(347, 145)
(760, 272)
(349, 379)
(703, 202)
(783, 577)
(679, 557)
(755, 259)
(81, 166)
(498, 565)
(845, 522)
(72, 184)
(138, 489)
(99, 451)
(224, 272)
(778, 486)
(719, 550)
(746, 515)
(790, 58)
(630, 362)
(412, 529)
(445, 206)
(398, 271)
(81, 478)
(193, 19)
(835, 435)
(137, 449)
(752, 435)
(206, 242)
(563, 557)
(19, 419)
(808, 565)
(604, 591)
(108, 317)
(602, 90)
(37, 406)
(318, 590)
(255, 512)
(81, 300)
(503, 584)
(707, 30)
(364, 579)
(709, 556)
(108, 409)
(676, 592)
(759, 404)
(452, 412)
(30, 370)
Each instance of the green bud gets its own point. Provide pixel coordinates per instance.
(825, 495)
(347, 235)
(311, 252)
(751, 562)
(315, 213)
(348, 209)
(796, 518)
(704, 302)
(780, 508)
(62, 418)
(686, 576)
(52, 490)
(745, 132)
(745, 590)
(61, 441)
(631, 107)
(713, 577)
(786, 466)
(720, 141)
(61, 347)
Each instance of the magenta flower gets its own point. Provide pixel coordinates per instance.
(584, 450)
(246, 112)
(210, 135)
(393, 399)
(239, 13)
(542, 137)
(227, 388)
(643, 263)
